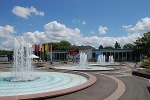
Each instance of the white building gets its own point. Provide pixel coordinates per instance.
(73, 53)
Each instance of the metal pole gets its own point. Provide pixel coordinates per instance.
(51, 53)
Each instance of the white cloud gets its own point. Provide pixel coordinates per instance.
(54, 27)
(127, 27)
(6, 31)
(95, 41)
(83, 22)
(55, 32)
(141, 26)
(7, 45)
(31, 37)
(26, 12)
(35, 37)
(102, 30)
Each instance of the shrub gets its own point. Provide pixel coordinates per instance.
(147, 70)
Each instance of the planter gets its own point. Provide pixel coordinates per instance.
(141, 74)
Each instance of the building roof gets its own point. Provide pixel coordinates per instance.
(79, 47)
(111, 50)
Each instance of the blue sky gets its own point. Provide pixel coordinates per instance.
(81, 22)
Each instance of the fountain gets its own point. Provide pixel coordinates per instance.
(84, 66)
(83, 61)
(111, 59)
(24, 83)
(22, 67)
(101, 59)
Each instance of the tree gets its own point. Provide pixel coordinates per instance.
(4, 52)
(64, 43)
(100, 47)
(142, 45)
(136, 51)
(128, 46)
(117, 45)
(56, 45)
(60, 45)
(108, 47)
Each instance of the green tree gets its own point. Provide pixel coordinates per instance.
(100, 47)
(136, 51)
(4, 52)
(142, 45)
(64, 44)
(128, 46)
(60, 45)
(117, 45)
(56, 45)
(108, 47)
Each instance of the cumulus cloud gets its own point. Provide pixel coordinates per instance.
(102, 30)
(95, 41)
(141, 26)
(34, 37)
(30, 37)
(26, 12)
(6, 31)
(7, 45)
(55, 32)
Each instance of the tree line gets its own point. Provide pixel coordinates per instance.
(117, 46)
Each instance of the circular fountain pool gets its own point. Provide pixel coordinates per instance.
(49, 84)
(84, 66)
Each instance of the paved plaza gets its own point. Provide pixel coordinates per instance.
(110, 85)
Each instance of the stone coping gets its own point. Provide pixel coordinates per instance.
(91, 80)
(84, 70)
